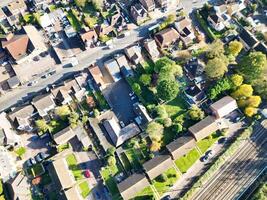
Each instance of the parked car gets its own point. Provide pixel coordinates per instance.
(209, 153)
(222, 140)
(32, 83)
(167, 197)
(40, 156)
(30, 162)
(87, 174)
(122, 124)
(204, 158)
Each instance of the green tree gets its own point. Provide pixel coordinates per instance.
(220, 86)
(155, 146)
(84, 119)
(177, 127)
(42, 126)
(215, 49)
(80, 3)
(252, 66)
(111, 151)
(73, 119)
(96, 112)
(163, 62)
(145, 79)
(243, 91)
(63, 111)
(261, 87)
(167, 89)
(235, 47)
(195, 113)
(167, 122)
(161, 111)
(98, 4)
(237, 80)
(137, 89)
(155, 131)
(216, 67)
(111, 161)
(1, 187)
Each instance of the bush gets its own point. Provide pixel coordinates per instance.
(162, 178)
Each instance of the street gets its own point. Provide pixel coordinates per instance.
(237, 173)
(24, 93)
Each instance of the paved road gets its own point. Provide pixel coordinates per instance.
(24, 93)
(237, 173)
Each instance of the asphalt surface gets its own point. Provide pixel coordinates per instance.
(238, 172)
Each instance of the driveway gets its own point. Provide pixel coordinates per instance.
(117, 95)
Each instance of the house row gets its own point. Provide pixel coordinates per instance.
(41, 105)
(181, 146)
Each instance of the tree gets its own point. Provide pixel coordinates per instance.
(111, 161)
(243, 91)
(73, 119)
(137, 89)
(161, 112)
(167, 122)
(1, 187)
(254, 101)
(63, 111)
(163, 62)
(177, 127)
(220, 86)
(235, 47)
(96, 112)
(250, 111)
(252, 66)
(80, 3)
(42, 125)
(145, 79)
(261, 88)
(111, 151)
(84, 119)
(215, 49)
(167, 89)
(155, 146)
(195, 113)
(155, 131)
(98, 4)
(216, 67)
(237, 80)
(163, 178)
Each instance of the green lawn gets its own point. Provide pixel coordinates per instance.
(85, 189)
(206, 143)
(36, 170)
(74, 21)
(62, 147)
(163, 187)
(108, 174)
(133, 158)
(175, 107)
(73, 166)
(101, 100)
(146, 194)
(58, 125)
(185, 162)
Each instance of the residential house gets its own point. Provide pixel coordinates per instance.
(162, 3)
(43, 104)
(113, 69)
(132, 185)
(166, 37)
(63, 180)
(194, 70)
(13, 82)
(124, 65)
(139, 13)
(143, 117)
(157, 166)
(8, 136)
(103, 30)
(2, 15)
(24, 47)
(16, 7)
(19, 187)
(184, 28)
(248, 40)
(149, 5)
(223, 107)
(204, 128)
(41, 3)
(65, 93)
(97, 76)
(134, 54)
(216, 22)
(63, 136)
(117, 134)
(181, 146)
(194, 94)
(21, 116)
(17, 46)
(89, 38)
(152, 49)
(70, 32)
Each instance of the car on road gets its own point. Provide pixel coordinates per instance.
(204, 158)
(209, 153)
(222, 140)
(32, 83)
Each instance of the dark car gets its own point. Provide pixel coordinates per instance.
(204, 158)
(167, 197)
(222, 140)
(40, 156)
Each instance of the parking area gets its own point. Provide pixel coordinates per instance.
(118, 96)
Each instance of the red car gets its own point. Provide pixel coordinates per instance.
(87, 173)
